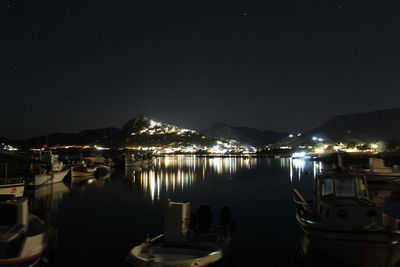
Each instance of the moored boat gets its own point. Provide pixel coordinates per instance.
(341, 210)
(12, 187)
(83, 171)
(378, 172)
(53, 172)
(23, 236)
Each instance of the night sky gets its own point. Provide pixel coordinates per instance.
(279, 65)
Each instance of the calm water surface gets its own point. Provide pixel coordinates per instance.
(97, 222)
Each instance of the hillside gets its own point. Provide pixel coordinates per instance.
(141, 131)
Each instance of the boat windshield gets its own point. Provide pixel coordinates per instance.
(327, 187)
(345, 187)
(8, 215)
(340, 187)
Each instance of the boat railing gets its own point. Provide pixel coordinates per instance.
(303, 207)
(4, 181)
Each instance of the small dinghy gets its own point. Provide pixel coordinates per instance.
(187, 240)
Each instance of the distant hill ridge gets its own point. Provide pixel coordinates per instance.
(356, 127)
(361, 127)
(243, 134)
(81, 138)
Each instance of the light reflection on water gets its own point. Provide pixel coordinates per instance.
(172, 173)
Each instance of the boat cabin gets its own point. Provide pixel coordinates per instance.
(341, 200)
(14, 217)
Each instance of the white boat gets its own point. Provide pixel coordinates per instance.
(378, 172)
(181, 246)
(12, 187)
(48, 178)
(55, 173)
(341, 210)
(23, 237)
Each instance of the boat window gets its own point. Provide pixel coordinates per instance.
(345, 188)
(8, 215)
(327, 186)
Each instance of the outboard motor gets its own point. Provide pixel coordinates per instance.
(193, 221)
(225, 217)
(204, 215)
(226, 221)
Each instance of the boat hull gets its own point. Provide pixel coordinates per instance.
(28, 261)
(84, 173)
(158, 256)
(314, 229)
(46, 179)
(12, 189)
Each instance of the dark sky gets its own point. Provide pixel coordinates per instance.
(279, 65)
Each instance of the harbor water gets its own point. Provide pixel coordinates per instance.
(98, 221)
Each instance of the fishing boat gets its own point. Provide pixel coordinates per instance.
(23, 236)
(101, 168)
(342, 210)
(187, 240)
(85, 169)
(53, 171)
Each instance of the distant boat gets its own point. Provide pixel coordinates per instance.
(342, 210)
(23, 236)
(185, 242)
(85, 169)
(54, 172)
(48, 178)
(378, 172)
